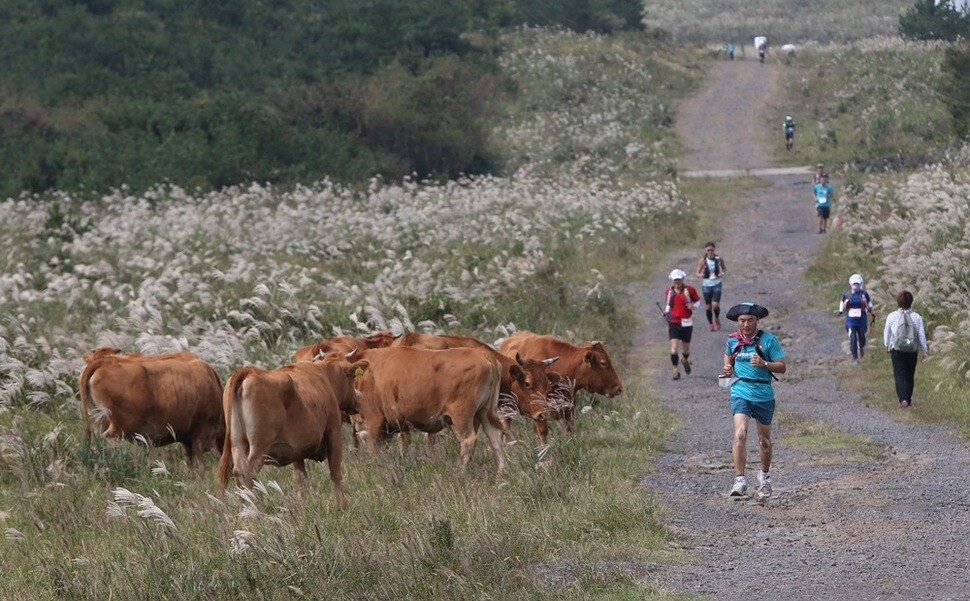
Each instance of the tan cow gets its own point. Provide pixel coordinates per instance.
(418, 389)
(525, 382)
(586, 367)
(168, 398)
(343, 344)
(287, 415)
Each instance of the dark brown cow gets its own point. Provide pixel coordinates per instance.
(169, 398)
(586, 367)
(526, 382)
(287, 415)
(343, 344)
(410, 388)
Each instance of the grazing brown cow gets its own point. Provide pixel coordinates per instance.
(525, 382)
(169, 398)
(343, 344)
(287, 415)
(586, 367)
(410, 388)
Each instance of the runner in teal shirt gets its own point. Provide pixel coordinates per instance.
(752, 357)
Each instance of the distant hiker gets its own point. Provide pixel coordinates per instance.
(762, 49)
(903, 336)
(730, 50)
(711, 269)
(823, 202)
(751, 360)
(681, 300)
(789, 127)
(819, 174)
(857, 306)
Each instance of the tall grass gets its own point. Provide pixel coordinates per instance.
(913, 232)
(246, 276)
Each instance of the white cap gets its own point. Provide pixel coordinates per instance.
(855, 278)
(787, 116)
(677, 274)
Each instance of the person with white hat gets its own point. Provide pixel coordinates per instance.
(681, 300)
(855, 304)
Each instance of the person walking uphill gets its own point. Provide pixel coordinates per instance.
(856, 303)
(711, 269)
(681, 300)
(752, 357)
(823, 202)
(903, 336)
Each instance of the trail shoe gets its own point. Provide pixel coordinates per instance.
(710, 327)
(740, 487)
(717, 323)
(686, 365)
(904, 404)
(676, 374)
(764, 484)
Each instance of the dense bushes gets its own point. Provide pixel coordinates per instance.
(934, 20)
(98, 93)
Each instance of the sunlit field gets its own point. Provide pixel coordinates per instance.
(874, 102)
(782, 21)
(247, 275)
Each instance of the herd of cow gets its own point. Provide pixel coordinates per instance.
(379, 384)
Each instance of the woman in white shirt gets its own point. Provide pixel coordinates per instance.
(904, 359)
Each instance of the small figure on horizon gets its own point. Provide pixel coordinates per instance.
(789, 127)
(762, 50)
(819, 173)
(730, 50)
(856, 304)
(752, 357)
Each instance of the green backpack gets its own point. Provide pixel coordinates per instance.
(905, 340)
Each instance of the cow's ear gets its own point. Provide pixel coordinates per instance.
(553, 377)
(357, 369)
(517, 373)
(519, 359)
(588, 358)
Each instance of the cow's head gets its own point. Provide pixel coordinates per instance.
(531, 387)
(597, 374)
(379, 340)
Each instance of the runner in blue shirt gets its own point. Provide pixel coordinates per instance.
(789, 127)
(823, 202)
(752, 357)
(856, 303)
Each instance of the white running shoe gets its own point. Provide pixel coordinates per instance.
(764, 484)
(740, 487)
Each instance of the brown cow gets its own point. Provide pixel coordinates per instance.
(287, 415)
(410, 388)
(169, 398)
(526, 382)
(343, 344)
(586, 367)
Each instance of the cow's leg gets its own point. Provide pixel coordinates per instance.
(542, 430)
(567, 416)
(299, 469)
(334, 457)
(193, 452)
(465, 433)
(493, 430)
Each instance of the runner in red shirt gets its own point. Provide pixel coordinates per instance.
(679, 305)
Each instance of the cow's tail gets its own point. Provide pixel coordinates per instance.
(493, 398)
(84, 387)
(230, 398)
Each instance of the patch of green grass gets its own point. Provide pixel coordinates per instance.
(826, 442)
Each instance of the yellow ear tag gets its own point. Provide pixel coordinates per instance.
(358, 373)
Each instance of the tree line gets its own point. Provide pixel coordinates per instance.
(204, 94)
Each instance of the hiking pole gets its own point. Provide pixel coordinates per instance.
(661, 309)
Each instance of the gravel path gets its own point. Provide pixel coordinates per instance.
(897, 526)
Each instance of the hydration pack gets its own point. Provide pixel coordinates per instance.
(707, 267)
(756, 343)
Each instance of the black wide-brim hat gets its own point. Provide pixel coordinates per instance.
(747, 309)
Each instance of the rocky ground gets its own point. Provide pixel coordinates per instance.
(893, 525)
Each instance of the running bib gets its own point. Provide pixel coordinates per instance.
(686, 322)
(855, 312)
(822, 200)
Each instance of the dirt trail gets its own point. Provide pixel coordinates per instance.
(837, 527)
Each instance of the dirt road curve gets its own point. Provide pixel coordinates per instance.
(837, 527)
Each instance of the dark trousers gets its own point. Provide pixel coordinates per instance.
(904, 372)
